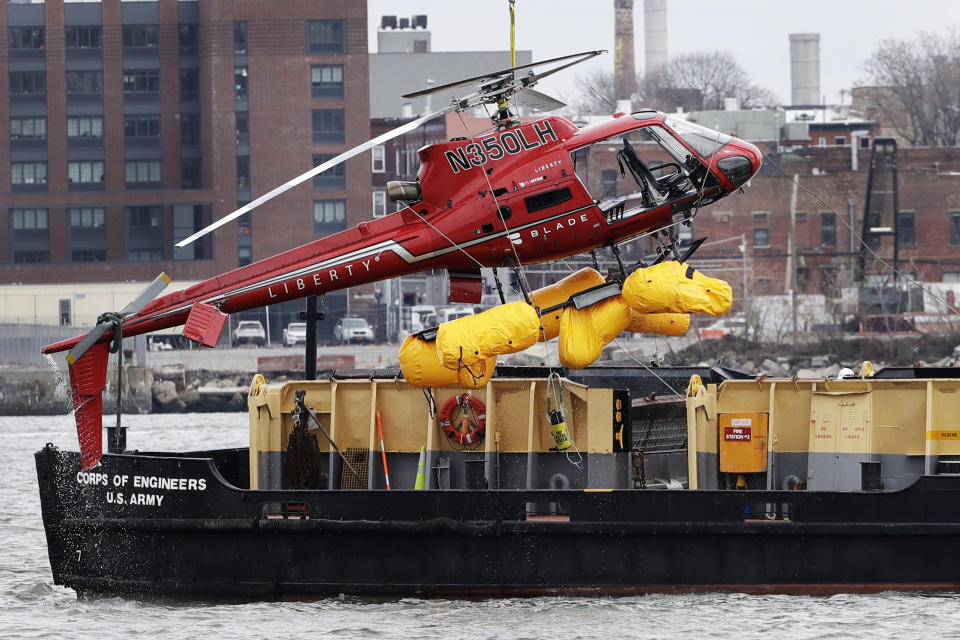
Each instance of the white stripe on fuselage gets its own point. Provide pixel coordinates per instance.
(365, 252)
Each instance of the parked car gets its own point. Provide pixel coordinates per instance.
(295, 332)
(729, 326)
(249, 331)
(349, 330)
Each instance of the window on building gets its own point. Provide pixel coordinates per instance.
(829, 281)
(187, 220)
(189, 129)
(28, 83)
(26, 38)
(142, 171)
(761, 238)
(379, 163)
(144, 231)
(328, 126)
(379, 203)
(191, 173)
(906, 236)
(84, 82)
(139, 36)
(243, 173)
(28, 173)
(760, 217)
(608, 180)
(242, 127)
(244, 237)
(800, 216)
(803, 279)
(141, 126)
(840, 141)
(240, 83)
(85, 127)
(828, 229)
(28, 128)
(865, 142)
(189, 85)
(29, 236)
(952, 277)
(83, 37)
(86, 234)
(141, 81)
(326, 81)
(188, 39)
(325, 36)
(85, 172)
(332, 178)
(240, 38)
(329, 216)
(955, 228)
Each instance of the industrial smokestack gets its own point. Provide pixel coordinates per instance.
(805, 68)
(654, 36)
(624, 74)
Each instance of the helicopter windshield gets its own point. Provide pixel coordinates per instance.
(701, 139)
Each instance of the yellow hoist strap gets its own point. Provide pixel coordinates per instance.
(513, 36)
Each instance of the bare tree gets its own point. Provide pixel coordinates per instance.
(916, 87)
(702, 81)
(596, 93)
(696, 81)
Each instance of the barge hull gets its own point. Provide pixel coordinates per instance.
(144, 527)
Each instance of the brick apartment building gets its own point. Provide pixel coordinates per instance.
(928, 222)
(126, 126)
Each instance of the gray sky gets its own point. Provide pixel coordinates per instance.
(754, 31)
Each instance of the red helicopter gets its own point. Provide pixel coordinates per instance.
(529, 191)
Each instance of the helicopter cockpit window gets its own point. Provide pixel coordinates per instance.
(703, 140)
(637, 165)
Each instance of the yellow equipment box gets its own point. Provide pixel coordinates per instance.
(743, 442)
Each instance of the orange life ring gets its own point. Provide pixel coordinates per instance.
(456, 422)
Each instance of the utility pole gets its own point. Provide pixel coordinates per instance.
(793, 253)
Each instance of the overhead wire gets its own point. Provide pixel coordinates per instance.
(860, 240)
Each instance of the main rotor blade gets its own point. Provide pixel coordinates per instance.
(538, 101)
(149, 293)
(346, 155)
(586, 55)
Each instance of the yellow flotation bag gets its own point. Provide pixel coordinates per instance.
(675, 287)
(559, 292)
(472, 340)
(664, 324)
(421, 367)
(585, 332)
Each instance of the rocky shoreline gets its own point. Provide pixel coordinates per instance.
(175, 388)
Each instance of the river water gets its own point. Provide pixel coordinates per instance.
(32, 607)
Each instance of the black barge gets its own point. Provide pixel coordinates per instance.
(748, 485)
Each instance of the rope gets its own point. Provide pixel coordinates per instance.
(853, 233)
(443, 235)
(496, 203)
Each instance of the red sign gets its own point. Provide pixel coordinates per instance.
(295, 363)
(737, 433)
